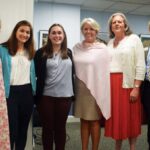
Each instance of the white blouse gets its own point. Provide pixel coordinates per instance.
(20, 69)
(128, 57)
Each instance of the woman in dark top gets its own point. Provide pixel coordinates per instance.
(54, 71)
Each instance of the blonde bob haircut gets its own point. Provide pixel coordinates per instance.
(92, 22)
(127, 28)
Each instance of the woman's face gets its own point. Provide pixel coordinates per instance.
(23, 34)
(56, 35)
(89, 33)
(117, 25)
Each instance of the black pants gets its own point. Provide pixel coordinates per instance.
(20, 107)
(146, 104)
(53, 113)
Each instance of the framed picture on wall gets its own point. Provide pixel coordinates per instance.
(43, 34)
(145, 38)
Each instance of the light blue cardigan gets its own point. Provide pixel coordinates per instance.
(6, 68)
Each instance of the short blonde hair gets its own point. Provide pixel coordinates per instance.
(94, 24)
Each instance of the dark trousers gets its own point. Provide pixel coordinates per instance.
(20, 107)
(53, 114)
(146, 104)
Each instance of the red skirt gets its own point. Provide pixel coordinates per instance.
(125, 121)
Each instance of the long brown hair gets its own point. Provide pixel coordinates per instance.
(12, 42)
(48, 47)
(127, 28)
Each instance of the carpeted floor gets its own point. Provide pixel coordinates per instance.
(74, 143)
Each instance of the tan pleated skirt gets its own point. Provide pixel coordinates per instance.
(85, 106)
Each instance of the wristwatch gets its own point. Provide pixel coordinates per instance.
(136, 86)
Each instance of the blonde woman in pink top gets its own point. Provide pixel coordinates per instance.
(91, 60)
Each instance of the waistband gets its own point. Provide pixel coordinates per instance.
(20, 87)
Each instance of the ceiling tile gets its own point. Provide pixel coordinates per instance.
(43, 0)
(140, 13)
(101, 4)
(116, 10)
(125, 6)
(76, 2)
(144, 8)
(139, 7)
(133, 1)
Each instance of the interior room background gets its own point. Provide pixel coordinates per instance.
(70, 17)
(43, 14)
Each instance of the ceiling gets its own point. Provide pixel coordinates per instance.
(137, 7)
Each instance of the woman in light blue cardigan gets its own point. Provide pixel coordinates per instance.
(16, 55)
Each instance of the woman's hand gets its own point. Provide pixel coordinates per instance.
(134, 94)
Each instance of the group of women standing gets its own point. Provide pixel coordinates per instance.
(114, 72)
(107, 83)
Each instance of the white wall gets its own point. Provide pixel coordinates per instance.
(12, 11)
(45, 14)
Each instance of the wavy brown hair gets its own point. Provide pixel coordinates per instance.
(127, 28)
(48, 47)
(12, 42)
